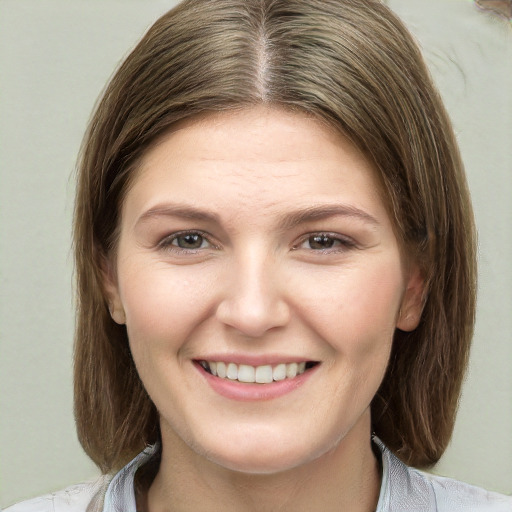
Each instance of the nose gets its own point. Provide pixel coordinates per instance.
(254, 298)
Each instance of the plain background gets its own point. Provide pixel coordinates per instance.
(55, 57)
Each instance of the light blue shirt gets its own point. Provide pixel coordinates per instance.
(403, 489)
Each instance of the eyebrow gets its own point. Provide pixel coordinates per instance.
(286, 221)
(320, 212)
(179, 210)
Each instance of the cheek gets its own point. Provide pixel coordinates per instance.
(356, 306)
(162, 303)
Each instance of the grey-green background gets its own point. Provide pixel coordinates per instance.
(55, 57)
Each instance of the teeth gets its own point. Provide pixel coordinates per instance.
(221, 370)
(279, 372)
(246, 373)
(261, 374)
(264, 374)
(291, 370)
(232, 371)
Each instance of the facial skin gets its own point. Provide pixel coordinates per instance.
(288, 255)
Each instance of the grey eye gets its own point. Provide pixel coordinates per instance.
(189, 241)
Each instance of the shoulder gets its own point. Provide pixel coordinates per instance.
(454, 495)
(84, 497)
(406, 489)
(109, 492)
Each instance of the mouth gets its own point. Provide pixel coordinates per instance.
(264, 374)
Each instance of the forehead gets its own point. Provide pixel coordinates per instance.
(259, 159)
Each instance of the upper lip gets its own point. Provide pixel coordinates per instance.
(254, 360)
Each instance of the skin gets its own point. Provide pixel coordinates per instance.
(259, 286)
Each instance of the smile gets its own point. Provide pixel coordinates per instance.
(264, 374)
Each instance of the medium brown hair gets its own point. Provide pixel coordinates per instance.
(352, 64)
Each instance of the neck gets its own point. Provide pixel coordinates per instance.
(345, 478)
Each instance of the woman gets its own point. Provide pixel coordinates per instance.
(275, 261)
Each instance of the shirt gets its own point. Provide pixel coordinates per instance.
(403, 489)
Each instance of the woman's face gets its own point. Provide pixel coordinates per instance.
(260, 281)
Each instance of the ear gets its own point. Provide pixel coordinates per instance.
(413, 300)
(111, 291)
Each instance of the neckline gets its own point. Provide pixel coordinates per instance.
(120, 496)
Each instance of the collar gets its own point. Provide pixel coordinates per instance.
(402, 488)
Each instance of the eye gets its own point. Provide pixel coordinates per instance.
(321, 241)
(186, 241)
(326, 242)
(189, 241)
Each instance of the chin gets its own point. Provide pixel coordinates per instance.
(256, 464)
(264, 458)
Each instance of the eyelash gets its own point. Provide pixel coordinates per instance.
(168, 245)
(340, 243)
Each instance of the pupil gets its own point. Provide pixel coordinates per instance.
(192, 241)
(321, 242)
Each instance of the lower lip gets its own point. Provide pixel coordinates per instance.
(244, 392)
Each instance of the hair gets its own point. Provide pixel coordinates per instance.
(351, 64)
